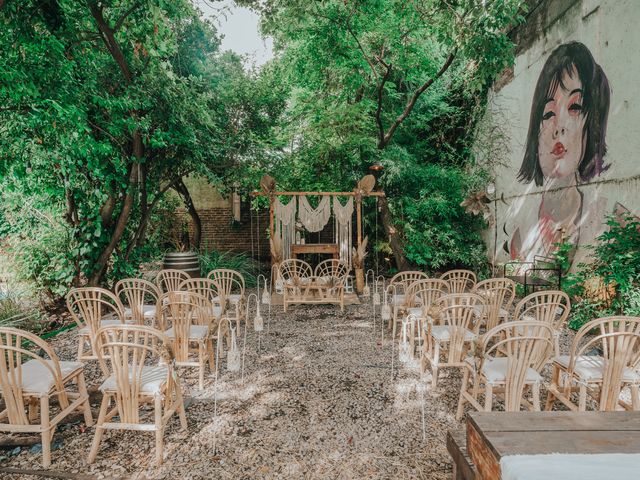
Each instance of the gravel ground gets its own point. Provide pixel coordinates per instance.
(319, 400)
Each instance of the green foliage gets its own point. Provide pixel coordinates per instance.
(14, 313)
(240, 262)
(438, 232)
(616, 261)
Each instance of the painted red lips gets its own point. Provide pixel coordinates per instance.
(558, 149)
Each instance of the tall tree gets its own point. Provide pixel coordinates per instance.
(361, 68)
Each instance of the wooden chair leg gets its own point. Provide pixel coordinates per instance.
(535, 393)
(159, 427)
(33, 408)
(212, 356)
(202, 362)
(97, 437)
(434, 365)
(46, 431)
(488, 397)
(555, 384)
(635, 397)
(181, 410)
(582, 401)
(463, 389)
(86, 407)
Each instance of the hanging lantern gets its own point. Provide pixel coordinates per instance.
(348, 287)
(279, 285)
(258, 322)
(233, 355)
(366, 291)
(376, 298)
(404, 356)
(386, 312)
(266, 297)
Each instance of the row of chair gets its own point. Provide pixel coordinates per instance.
(138, 334)
(456, 322)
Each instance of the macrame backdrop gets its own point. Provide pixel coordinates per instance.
(285, 227)
(343, 225)
(312, 219)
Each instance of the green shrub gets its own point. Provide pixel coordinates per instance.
(616, 260)
(14, 312)
(239, 262)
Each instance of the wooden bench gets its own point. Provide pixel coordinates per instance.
(463, 468)
(494, 435)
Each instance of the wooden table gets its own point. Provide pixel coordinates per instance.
(327, 248)
(493, 435)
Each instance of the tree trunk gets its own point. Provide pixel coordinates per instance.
(394, 238)
(182, 189)
(123, 218)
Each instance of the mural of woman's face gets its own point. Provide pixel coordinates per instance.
(561, 142)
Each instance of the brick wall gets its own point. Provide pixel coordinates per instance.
(220, 233)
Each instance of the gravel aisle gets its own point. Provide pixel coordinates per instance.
(319, 401)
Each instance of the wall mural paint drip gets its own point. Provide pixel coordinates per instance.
(565, 148)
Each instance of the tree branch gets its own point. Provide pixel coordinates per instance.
(124, 16)
(380, 94)
(107, 34)
(384, 141)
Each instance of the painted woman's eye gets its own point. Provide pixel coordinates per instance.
(548, 115)
(575, 108)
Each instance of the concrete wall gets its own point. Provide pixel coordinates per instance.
(567, 204)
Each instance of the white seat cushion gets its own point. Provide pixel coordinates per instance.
(441, 334)
(38, 379)
(152, 380)
(196, 332)
(478, 311)
(104, 323)
(149, 311)
(495, 370)
(589, 368)
(398, 299)
(234, 298)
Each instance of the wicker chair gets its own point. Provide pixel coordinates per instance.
(453, 329)
(232, 287)
(28, 380)
(601, 377)
(143, 300)
(169, 280)
(141, 372)
(93, 308)
(460, 281)
(549, 306)
(508, 363)
(331, 273)
(192, 332)
(499, 294)
(397, 288)
(421, 296)
(296, 276)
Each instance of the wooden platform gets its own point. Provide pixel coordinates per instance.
(493, 435)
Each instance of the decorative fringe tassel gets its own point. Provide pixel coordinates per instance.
(266, 297)
(258, 322)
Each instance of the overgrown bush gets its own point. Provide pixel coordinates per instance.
(240, 262)
(610, 285)
(14, 312)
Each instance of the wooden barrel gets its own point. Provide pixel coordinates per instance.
(185, 261)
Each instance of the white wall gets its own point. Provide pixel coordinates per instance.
(610, 30)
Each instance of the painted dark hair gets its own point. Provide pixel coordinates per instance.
(595, 108)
